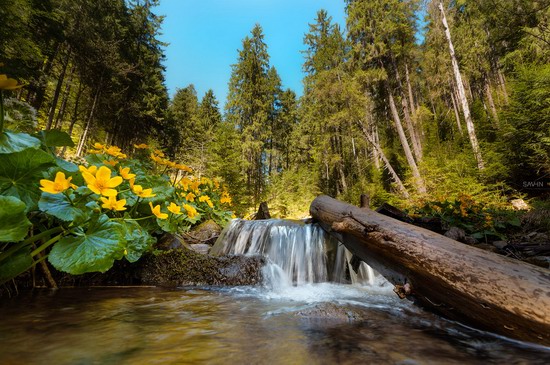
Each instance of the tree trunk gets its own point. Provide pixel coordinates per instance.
(457, 115)
(413, 135)
(418, 181)
(462, 94)
(84, 135)
(57, 91)
(492, 106)
(464, 283)
(65, 98)
(409, 88)
(503, 85)
(400, 187)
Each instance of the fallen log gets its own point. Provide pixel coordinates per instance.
(483, 289)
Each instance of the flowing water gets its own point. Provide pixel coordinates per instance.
(306, 313)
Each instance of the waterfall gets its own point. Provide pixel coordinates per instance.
(298, 253)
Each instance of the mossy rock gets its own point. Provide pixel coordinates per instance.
(206, 232)
(187, 268)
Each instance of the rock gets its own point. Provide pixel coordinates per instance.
(519, 204)
(206, 232)
(170, 241)
(186, 267)
(469, 240)
(201, 248)
(542, 261)
(456, 234)
(331, 311)
(500, 244)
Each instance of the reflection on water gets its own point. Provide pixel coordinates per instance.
(238, 326)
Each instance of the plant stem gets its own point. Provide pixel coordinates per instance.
(46, 245)
(28, 241)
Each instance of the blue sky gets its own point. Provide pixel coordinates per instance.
(204, 38)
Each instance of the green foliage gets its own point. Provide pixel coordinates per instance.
(480, 220)
(14, 225)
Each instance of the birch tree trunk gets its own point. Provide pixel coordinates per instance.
(462, 93)
(457, 115)
(402, 190)
(418, 181)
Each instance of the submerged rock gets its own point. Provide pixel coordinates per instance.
(333, 312)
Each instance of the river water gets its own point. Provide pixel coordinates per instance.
(306, 312)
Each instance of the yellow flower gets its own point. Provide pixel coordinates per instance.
(182, 167)
(125, 173)
(216, 183)
(191, 211)
(132, 181)
(141, 146)
(185, 183)
(59, 185)
(142, 193)
(195, 186)
(91, 170)
(225, 198)
(102, 183)
(156, 211)
(206, 198)
(99, 146)
(190, 197)
(159, 153)
(113, 204)
(8, 84)
(110, 162)
(95, 151)
(233, 216)
(174, 208)
(158, 160)
(115, 152)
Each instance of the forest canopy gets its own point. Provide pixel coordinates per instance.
(463, 111)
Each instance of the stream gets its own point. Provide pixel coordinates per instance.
(310, 310)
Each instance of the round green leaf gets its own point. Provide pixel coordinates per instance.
(61, 207)
(21, 172)
(95, 250)
(14, 224)
(55, 138)
(138, 240)
(11, 142)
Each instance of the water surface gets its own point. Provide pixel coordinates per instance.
(241, 325)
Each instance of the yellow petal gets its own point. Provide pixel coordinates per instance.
(114, 182)
(107, 192)
(103, 173)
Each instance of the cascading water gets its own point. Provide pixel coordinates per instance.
(298, 252)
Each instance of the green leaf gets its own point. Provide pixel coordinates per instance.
(66, 165)
(20, 174)
(55, 138)
(14, 224)
(94, 250)
(19, 262)
(166, 225)
(11, 142)
(61, 207)
(138, 240)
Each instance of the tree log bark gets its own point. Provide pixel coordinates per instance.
(463, 283)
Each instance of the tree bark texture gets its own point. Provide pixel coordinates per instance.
(462, 94)
(418, 181)
(464, 283)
